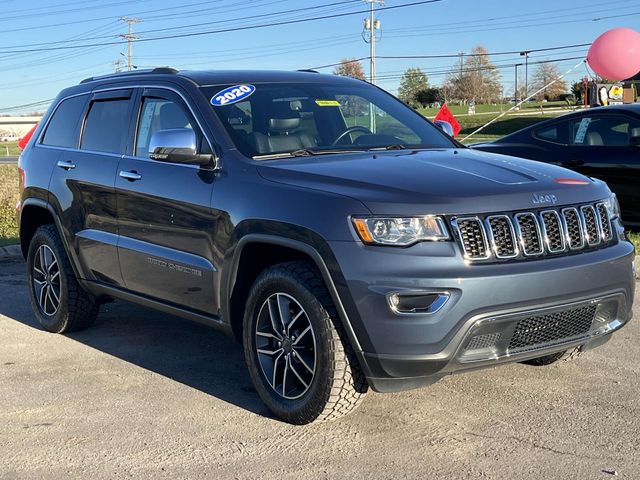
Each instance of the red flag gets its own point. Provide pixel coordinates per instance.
(445, 114)
(27, 136)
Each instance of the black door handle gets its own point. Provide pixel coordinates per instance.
(572, 163)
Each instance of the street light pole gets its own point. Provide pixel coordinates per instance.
(515, 95)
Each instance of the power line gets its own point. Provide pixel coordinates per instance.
(454, 55)
(226, 30)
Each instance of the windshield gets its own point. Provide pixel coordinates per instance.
(314, 118)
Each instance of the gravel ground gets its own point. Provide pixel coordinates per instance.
(145, 395)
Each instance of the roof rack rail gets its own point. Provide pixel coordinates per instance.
(310, 70)
(157, 70)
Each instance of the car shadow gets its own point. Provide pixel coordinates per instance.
(192, 354)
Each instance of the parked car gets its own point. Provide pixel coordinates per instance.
(601, 142)
(344, 257)
(9, 137)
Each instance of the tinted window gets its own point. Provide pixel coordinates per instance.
(604, 130)
(62, 130)
(321, 117)
(550, 133)
(106, 127)
(158, 114)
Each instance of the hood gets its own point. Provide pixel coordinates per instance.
(443, 181)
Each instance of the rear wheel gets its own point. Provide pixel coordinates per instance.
(58, 301)
(299, 360)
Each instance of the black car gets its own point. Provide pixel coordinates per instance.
(601, 142)
(343, 250)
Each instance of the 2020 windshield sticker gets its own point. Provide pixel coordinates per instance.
(231, 95)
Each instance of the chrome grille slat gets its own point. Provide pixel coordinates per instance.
(590, 225)
(502, 237)
(529, 233)
(553, 231)
(534, 234)
(605, 224)
(473, 238)
(573, 228)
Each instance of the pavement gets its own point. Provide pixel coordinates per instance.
(148, 396)
(8, 160)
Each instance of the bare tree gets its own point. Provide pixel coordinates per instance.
(544, 74)
(477, 79)
(350, 67)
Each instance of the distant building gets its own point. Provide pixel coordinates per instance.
(17, 126)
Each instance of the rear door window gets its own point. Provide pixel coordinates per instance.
(106, 127)
(62, 130)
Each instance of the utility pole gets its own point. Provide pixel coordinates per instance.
(130, 38)
(461, 63)
(525, 54)
(369, 36)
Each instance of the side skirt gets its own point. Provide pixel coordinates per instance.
(99, 290)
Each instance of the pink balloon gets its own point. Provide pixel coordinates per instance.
(615, 55)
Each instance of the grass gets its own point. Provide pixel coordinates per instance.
(492, 108)
(9, 196)
(634, 237)
(9, 149)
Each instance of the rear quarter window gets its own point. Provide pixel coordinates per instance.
(62, 130)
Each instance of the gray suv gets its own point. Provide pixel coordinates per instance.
(343, 239)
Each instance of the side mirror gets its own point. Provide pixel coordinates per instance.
(176, 145)
(634, 142)
(444, 126)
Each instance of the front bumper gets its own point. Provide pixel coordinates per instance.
(485, 301)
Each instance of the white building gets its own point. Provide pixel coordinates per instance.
(17, 125)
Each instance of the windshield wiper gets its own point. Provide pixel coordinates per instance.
(393, 146)
(304, 152)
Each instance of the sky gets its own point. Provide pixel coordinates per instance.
(46, 46)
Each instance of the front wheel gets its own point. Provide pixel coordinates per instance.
(300, 362)
(58, 301)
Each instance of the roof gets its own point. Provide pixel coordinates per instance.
(226, 77)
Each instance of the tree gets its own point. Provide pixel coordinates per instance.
(477, 79)
(578, 91)
(413, 82)
(428, 96)
(350, 67)
(544, 74)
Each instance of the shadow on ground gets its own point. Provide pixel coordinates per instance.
(192, 354)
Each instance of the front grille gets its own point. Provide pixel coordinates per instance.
(542, 330)
(483, 341)
(534, 234)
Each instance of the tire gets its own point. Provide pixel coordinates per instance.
(554, 357)
(50, 278)
(314, 376)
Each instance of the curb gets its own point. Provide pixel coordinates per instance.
(10, 251)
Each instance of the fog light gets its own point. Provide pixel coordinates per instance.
(417, 303)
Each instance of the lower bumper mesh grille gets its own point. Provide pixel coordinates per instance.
(552, 328)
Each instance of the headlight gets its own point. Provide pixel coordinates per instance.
(400, 231)
(613, 206)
